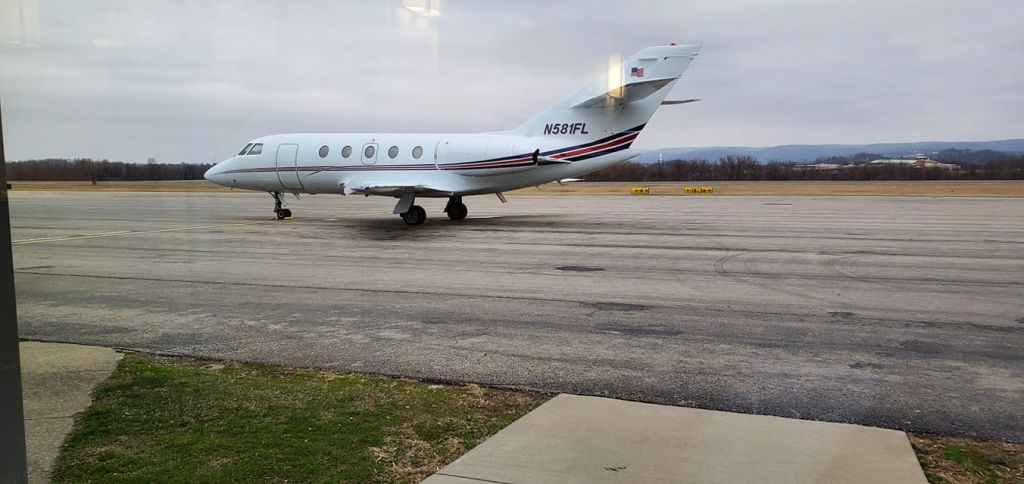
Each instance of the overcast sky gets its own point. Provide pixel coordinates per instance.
(193, 80)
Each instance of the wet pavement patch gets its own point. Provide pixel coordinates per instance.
(613, 306)
(638, 330)
(841, 314)
(860, 365)
(579, 268)
(923, 347)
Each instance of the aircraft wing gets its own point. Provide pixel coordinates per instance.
(633, 91)
(389, 190)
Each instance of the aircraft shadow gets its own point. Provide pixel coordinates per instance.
(436, 228)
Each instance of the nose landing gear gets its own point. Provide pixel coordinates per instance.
(279, 201)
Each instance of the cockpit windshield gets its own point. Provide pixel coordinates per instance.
(251, 149)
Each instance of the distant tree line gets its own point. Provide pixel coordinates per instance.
(975, 165)
(746, 168)
(85, 169)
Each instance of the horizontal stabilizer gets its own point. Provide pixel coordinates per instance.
(628, 93)
(682, 101)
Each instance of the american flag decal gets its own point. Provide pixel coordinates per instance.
(636, 72)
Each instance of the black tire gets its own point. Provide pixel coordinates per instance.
(280, 214)
(286, 213)
(458, 211)
(415, 216)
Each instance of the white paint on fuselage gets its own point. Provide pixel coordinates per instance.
(438, 149)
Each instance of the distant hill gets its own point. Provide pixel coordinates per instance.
(802, 153)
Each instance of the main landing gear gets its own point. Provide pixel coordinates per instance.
(282, 213)
(411, 214)
(415, 215)
(455, 209)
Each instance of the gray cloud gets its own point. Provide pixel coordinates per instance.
(193, 80)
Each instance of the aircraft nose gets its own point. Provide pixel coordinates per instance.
(214, 173)
(210, 173)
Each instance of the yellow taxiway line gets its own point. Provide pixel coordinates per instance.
(63, 238)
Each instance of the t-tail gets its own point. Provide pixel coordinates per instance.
(620, 102)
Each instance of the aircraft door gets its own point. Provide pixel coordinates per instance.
(440, 153)
(287, 163)
(369, 155)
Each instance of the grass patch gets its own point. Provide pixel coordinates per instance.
(951, 460)
(183, 420)
(160, 419)
(122, 186)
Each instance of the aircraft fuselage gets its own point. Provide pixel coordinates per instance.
(452, 164)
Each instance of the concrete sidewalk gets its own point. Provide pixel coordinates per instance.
(574, 439)
(57, 382)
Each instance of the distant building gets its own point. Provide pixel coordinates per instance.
(919, 161)
(823, 166)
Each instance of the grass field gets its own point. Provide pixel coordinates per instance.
(160, 419)
(123, 186)
(949, 460)
(1014, 189)
(182, 420)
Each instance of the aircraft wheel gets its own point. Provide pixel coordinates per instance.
(284, 213)
(415, 216)
(458, 211)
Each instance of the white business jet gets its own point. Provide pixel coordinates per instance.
(590, 129)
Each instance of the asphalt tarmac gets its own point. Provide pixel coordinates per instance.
(904, 313)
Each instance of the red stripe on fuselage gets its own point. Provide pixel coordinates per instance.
(509, 162)
(610, 144)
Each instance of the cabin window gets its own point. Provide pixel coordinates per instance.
(346, 152)
(417, 152)
(256, 149)
(240, 153)
(393, 152)
(369, 152)
(323, 151)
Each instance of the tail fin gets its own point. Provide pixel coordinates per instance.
(622, 99)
